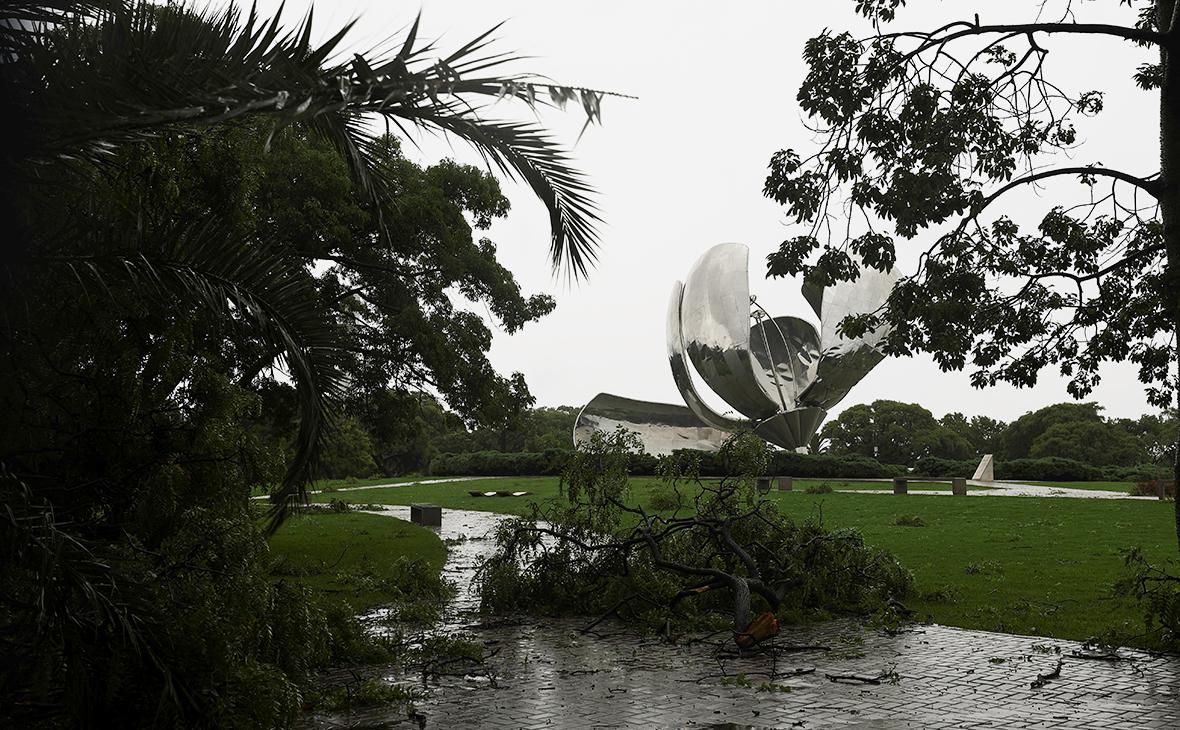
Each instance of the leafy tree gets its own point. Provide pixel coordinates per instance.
(71, 99)
(981, 432)
(1154, 433)
(926, 133)
(893, 433)
(1016, 441)
(1093, 442)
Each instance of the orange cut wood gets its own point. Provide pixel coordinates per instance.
(764, 626)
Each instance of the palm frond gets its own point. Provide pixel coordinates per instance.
(87, 85)
(242, 282)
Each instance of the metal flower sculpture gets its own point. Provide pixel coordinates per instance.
(780, 373)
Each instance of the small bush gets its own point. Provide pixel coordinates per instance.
(908, 521)
(1151, 488)
(933, 466)
(339, 505)
(942, 594)
(821, 488)
(665, 500)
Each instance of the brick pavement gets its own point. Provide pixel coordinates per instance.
(549, 675)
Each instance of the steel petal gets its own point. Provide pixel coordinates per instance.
(662, 427)
(715, 324)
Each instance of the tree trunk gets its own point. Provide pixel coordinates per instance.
(1170, 196)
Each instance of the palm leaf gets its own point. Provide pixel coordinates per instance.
(141, 68)
(242, 283)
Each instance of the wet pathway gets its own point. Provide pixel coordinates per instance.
(546, 674)
(1009, 489)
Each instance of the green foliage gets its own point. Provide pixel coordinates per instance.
(944, 468)
(981, 432)
(1156, 588)
(176, 182)
(1047, 470)
(909, 521)
(895, 433)
(601, 555)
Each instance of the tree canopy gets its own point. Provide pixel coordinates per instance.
(894, 433)
(925, 134)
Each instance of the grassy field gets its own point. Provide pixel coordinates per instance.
(360, 557)
(1028, 565)
(332, 485)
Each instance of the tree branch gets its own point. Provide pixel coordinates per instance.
(1118, 31)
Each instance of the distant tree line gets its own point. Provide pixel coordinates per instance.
(905, 433)
(398, 433)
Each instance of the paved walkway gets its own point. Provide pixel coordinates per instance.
(837, 674)
(1010, 489)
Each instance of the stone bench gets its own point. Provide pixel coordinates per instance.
(427, 515)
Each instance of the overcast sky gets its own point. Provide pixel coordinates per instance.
(681, 169)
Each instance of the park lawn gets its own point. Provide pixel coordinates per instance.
(362, 558)
(332, 485)
(1040, 566)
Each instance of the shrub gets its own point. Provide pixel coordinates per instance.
(818, 489)
(1051, 469)
(1157, 591)
(1150, 488)
(933, 466)
(1139, 473)
(908, 521)
(665, 500)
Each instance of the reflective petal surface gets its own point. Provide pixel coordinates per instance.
(678, 361)
(715, 324)
(845, 361)
(787, 352)
(662, 427)
(792, 429)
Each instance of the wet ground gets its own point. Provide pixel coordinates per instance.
(547, 674)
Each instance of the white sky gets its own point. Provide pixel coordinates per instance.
(682, 169)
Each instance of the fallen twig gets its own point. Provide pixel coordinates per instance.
(1104, 657)
(1043, 679)
(855, 678)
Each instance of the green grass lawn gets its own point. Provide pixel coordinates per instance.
(1030, 565)
(334, 484)
(363, 558)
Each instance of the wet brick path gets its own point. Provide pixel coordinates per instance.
(549, 675)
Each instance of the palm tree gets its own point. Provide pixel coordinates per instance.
(85, 77)
(83, 82)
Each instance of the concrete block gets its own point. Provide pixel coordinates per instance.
(763, 486)
(427, 515)
(785, 484)
(986, 471)
(959, 486)
(900, 486)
